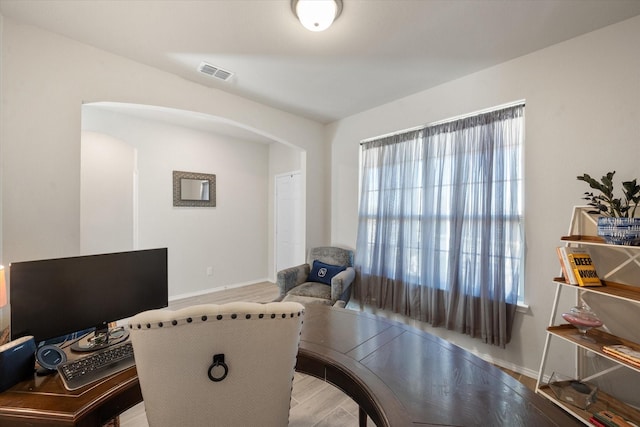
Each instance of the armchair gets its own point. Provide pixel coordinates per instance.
(225, 365)
(326, 278)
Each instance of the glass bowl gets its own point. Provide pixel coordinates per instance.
(582, 318)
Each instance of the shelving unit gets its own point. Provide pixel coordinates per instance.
(582, 233)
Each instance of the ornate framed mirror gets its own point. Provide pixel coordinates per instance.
(192, 189)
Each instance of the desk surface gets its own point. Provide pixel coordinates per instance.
(43, 401)
(399, 375)
(402, 376)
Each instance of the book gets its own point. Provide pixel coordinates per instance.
(567, 272)
(583, 269)
(623, 352)
(565, 263)
(610, 419)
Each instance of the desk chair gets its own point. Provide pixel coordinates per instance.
(224, 365)
(326, 278)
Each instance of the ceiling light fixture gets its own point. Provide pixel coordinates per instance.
(316, 15)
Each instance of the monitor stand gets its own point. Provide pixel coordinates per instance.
(100, 339)
(43, 372)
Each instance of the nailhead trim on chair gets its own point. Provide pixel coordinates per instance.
(204, 318)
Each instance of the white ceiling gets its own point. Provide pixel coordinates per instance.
(376, 52)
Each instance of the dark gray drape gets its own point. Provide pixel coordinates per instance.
(441, 232)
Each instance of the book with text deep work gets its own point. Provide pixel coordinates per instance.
(565, 263)
(584, 270)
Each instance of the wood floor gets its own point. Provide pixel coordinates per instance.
(314, 403)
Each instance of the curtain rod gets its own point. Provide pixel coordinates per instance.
(439, 122)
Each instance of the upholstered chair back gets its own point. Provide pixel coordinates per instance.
(331, 255)
(217, 365)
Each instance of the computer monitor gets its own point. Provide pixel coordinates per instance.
(56, 297)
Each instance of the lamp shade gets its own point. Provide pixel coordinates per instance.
(3, 288)
(317, 15)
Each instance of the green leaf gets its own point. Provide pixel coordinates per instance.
(605, 202)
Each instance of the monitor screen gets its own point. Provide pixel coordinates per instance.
(55, 297)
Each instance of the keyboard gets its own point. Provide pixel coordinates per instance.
(96, 366)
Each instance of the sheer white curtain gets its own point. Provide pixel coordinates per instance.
(441, 231)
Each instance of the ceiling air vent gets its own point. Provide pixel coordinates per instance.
(214, 71)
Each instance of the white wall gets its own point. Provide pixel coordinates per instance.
(582, 115)
(107, 180)
(4, 314)
(231, 239)
(45, 80)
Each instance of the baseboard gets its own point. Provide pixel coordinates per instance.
(506, 365)
(442, 333)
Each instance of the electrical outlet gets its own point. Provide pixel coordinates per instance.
(209, 271)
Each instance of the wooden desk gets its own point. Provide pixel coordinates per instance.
(398, 375)
(405, 377)
(43, 401)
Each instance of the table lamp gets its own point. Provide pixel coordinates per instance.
(4, 337)
(3, 288)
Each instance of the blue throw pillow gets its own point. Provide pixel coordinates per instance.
(323, 273)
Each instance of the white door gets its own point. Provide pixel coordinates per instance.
(289, 233)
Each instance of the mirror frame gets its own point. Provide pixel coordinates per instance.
(177, 196)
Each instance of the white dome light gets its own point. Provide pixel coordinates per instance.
(317, 15)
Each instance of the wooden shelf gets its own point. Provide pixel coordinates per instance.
(587, 240)
(600, 339)
(604, 402)
(611, 289)
(581, 233)
(595, 241)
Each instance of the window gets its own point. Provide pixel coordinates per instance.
(441, 222)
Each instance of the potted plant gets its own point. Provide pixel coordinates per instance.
(617, 223)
